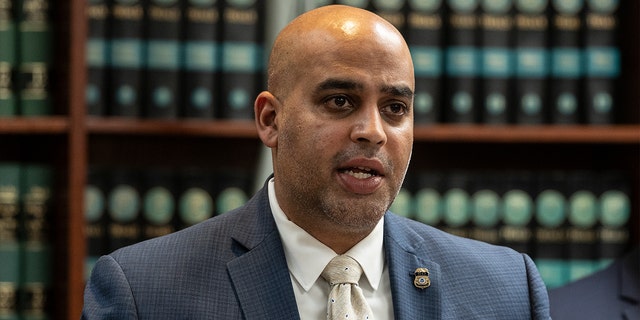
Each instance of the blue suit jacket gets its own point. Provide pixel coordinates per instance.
(613, 293)
(233, 267)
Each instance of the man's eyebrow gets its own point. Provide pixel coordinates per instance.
(400, 91)
(338, 84)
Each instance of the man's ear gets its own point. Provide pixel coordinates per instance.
(266, 108)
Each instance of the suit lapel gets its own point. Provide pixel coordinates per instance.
(403, 260)
(259, 274)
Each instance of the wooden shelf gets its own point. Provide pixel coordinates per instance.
(39, 125)
(619, 134)
(181, 127)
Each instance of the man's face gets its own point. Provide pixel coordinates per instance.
(345, 131)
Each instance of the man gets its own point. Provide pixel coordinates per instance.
(338, 118)
(613, 293)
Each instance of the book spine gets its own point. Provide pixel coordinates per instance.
(202, 59)
(95, 213)
(163, 58)
(126, 58)
(424, 37)
(124, 208)
(456, 201)
(550, 231)
(497, 61)
(428, 198)
(566, 62)
(517, 202)
(96, 59)
(402, 205)
(583, 218)
(486, 212)
(392, 11)
(232, 189)
(532, 61)
(614, 236)
(9, 239)
(8, 104)
(602, 61)
(242, 57)
(462, 63)
(35, 54)
(195, 197)
(36, 279)
(158, 202)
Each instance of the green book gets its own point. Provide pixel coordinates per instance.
(36, 259)
(517, 202)
(9, 242)
(428, 198)
(8, 106)
(95, 216)
(123, 203)
(582, 235)
(34, 55)
(158, 202)
(195, 196)
(486, 207)
(456, 201)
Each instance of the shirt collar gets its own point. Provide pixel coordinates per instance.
(307, 257)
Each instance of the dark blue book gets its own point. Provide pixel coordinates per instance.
(97, 57)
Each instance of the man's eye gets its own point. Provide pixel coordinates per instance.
(338, 102)
(395, 109)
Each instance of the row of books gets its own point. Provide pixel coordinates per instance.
(512, 61)
(25, 58)
(25, 245)
(171, 59)
(125, 205)
(570, 223)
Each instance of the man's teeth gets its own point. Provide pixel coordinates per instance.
(362, 173)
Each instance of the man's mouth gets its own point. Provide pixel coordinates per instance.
(361, 172)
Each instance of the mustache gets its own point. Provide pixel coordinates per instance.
(360, 151)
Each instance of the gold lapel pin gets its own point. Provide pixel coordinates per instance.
(421, 278)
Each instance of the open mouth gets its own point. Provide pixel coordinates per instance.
(361, 172)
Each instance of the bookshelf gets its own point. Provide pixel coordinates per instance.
(71, 141)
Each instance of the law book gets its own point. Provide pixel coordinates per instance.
(95, 214)
(123, 207)
(566, 62)
(428, 204)
(242, 57)
(486, 206)
(402, 205)
(497, 64)
(456, 202)
(392, 11)
(158, 202)
(163, 59)
(126, 58)
(550, 238)
(602, 61)
(424, 36)
(97, 56)
(614, 228)
(201, 74)
(232, 189)
(8, 59)
(36, 254)
(196, 192)
(35, 53)
(583, 223)
(517, 202)
(532, 62)
(9, 239)
(462, 62)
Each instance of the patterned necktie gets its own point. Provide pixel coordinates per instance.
(346, 300)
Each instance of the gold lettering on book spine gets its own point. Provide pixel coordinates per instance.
(423, 21)
(128, 13)
(241, 16)
(203, 15)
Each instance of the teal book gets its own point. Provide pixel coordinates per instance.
(550, 237)
(583, 224)
(456, 203)
(95, 215)
(8, 59)
(402, 205)
(532, 61)
(36, 254)
(123, 207)
(566, 62)
(96, 56)
(163, 58)
(602, 61)
(201, 74)
(242, 57)
(126, 58)
(428, 204)
(232, 189)
(9, 239)
(158, 202)
(486, 206)
(462, 62)
(518, 205)
(614, 206)
(497, 66)
(424, 34)
(196, 192)
(35, 53)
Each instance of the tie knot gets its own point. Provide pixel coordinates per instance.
(342, 269)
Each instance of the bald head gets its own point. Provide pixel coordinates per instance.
(324, 32)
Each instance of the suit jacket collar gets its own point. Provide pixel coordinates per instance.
(629, 288)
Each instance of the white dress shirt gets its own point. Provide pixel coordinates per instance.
(307, 257)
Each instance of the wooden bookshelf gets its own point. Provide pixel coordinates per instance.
(72, 141)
